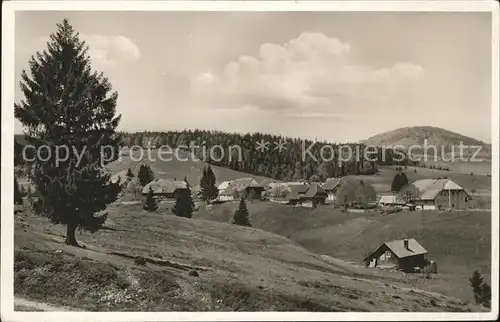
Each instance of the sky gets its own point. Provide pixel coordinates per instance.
(335, 76)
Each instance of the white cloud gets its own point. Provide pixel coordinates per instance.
(104, 50)
(311, 72)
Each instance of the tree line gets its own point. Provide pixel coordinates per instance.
(322, 159)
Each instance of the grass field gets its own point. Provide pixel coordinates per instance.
(198, 265)
(293, 258)
(459, 241)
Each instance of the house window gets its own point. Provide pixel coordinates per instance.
(387, 254)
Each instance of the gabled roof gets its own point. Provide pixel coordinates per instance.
(223, 185)
(429, 189)
(164, 186)
(399, 250)
(332, 183)
(267, 182)
(314, 190)
(299, 189)
(227, 192)
(391, 199)
(243, 183)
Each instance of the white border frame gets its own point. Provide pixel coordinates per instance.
(7, 224)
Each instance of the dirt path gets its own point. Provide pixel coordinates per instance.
(22, 304)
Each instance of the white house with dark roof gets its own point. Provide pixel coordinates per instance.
(440, 194)
(331, 186)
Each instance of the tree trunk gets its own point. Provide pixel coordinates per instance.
(70, 234)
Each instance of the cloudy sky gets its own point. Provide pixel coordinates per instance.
(333, 76)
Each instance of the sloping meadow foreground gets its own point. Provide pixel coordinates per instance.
(158, 262)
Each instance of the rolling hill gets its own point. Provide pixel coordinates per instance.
(460, 241)
(435, 136)
(147, 261)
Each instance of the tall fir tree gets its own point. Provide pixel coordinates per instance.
(476, 282)
(184, 205)
(207, 183)
(67, 104)
(145, 174)
(18, 198)
(486, 294)
(150, 204)
(241, 216)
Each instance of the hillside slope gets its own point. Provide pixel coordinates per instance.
(459, 241)
(197, 265)
(416, 135)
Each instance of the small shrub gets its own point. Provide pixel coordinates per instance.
(150, 204)
(241, 216)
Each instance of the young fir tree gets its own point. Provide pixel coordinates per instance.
(207, 184)
(150, 204)
(241, 216)
(184, 205)
(476, 282)
(67, 104)
(145, 175)
(486, 294)
(18, 198)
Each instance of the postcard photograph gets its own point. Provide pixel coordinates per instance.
(249, 159)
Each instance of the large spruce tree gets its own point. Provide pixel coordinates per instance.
(145, 174)
(184, 205)
(67, 104)
(241, 216)
(207, 183)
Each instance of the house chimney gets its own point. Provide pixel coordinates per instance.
(405, 243)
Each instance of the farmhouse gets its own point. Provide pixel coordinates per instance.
(223, 186)
(440, 194)
(406, 255)
(227, 194)
(304, 195)
(243, 187)
(331, 186)
(165, 187)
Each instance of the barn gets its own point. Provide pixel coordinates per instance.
(406, 255)
(331, 186)
(165, 188)
(440, 194)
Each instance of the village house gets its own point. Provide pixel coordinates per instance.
(407, 255)
(268, 183)
(166, 188)
(331, 186)
(243, 187)
(440, 194)
(299, 194)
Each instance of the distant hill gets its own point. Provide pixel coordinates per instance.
(435, 136)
